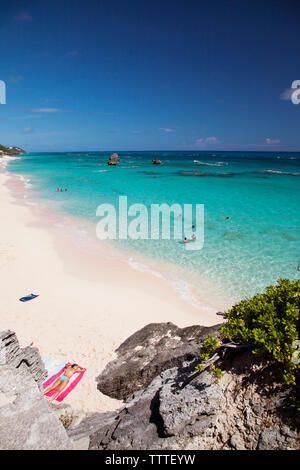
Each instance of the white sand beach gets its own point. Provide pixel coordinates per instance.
(90, 299)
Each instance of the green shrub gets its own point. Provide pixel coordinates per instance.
(199, 368)
(208, 346)
(216, 372)
(269, 323)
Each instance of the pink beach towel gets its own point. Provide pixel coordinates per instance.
(74, 380)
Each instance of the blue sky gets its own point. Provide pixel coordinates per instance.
(146, 75)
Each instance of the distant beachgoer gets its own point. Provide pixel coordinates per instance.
(57, 189)
(193, 237)
(185, 240)
(225, 218)
(63, 380)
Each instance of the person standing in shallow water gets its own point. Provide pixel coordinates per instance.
(63, 380)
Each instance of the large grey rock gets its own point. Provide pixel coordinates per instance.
(182, 409)
(137, 425)
(26, 420)
(175, 407)
(147, 353)
(90, 424)
(270, 439)
(154, 418)
(27, 358)
(192, 409)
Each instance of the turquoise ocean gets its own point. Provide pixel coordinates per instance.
(251, 205)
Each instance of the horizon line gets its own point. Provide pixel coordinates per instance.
(157, 150)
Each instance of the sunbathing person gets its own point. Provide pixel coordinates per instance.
(63, 380)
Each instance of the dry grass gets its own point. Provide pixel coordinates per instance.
(67, 419)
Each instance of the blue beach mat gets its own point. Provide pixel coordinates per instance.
(28, 297)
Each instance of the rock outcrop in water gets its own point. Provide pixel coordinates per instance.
(247, 408)
(26, 420)
(113, 159)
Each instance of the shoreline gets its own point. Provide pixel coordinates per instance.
(50, 253)
(196, 290)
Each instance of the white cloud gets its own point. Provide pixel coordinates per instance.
(207, 141)
(73, 53)
(27, 130)
(48, 110)
(26, 117)
(166, 129)
(105, 113)
(211, 139)
(23, 16)
(15, 78)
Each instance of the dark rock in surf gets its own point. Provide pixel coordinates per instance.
(113, 159)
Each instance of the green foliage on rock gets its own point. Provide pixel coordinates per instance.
(208, 346)
(270, 324)
(199, 368)
(216, 372)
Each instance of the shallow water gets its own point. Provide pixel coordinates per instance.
(259, 192)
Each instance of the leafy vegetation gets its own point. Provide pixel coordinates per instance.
(216, 372)
(208, 346)
(270, 324)
(199, 368)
